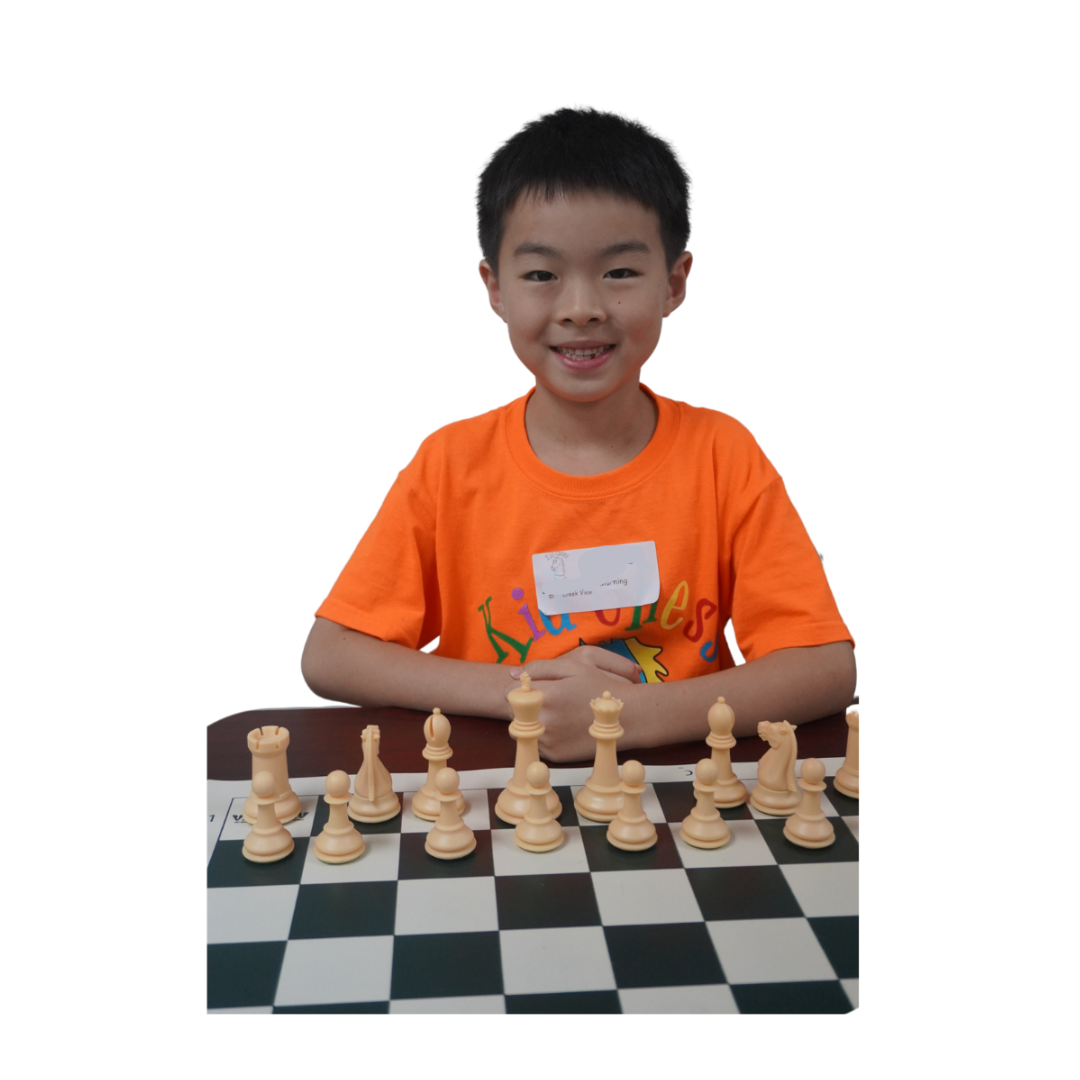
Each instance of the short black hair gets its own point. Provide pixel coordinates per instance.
(575, 150)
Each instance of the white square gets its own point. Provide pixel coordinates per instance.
(446, 906)
(511, 860)
(250, 914)
(682, 1000)
(746, 847)
(236, 828)
(476, 814)
(769, 950)
(853, 824)
(637, 897)
(552, 961)
(378, 863)
(851, 988)
(650, 805)
(825, 888)
(486, 1003)
(329, 971)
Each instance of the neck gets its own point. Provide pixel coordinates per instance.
(585, 438)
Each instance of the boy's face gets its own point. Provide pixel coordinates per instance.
(583, 288)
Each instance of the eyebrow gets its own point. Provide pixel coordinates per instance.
(625, 247)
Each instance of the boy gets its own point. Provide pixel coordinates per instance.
(583, 226)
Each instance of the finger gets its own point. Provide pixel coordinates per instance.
(616, 665)
(544, 669)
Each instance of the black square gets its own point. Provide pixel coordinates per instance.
(415, 862)
(322, 816)
(347, 1007)
(663, 855)
(578, 1001)
(568, 815)
(229, 869)
(670, 954)
(544, 900)
(844, 805)
(839, 937)
(677, 798)
(743, 892)
(345, 909)
(243, 974)
(795, 997)
(845, 848)
(446, 965)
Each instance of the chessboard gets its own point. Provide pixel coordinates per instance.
(760, 925)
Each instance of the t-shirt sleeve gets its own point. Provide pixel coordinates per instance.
(780, 597)
(389, 587)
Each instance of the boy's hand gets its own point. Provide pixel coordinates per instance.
(569, 683)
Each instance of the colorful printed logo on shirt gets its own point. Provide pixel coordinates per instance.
(640, 653)
(678, 614)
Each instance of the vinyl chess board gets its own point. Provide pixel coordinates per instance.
(760, 925)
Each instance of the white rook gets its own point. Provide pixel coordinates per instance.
(268, 746)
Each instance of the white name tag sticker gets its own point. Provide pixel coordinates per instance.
(595, 579)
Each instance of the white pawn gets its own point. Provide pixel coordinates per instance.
(340, 841)
(631, 830)
(703, 827)
(538, 830)
(268, 840)
(809, 827)
(450, 837)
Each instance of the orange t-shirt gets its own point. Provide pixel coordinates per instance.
(449, 554)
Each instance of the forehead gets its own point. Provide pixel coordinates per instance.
(579, 222)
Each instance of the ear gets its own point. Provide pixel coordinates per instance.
(676, 283)
(494, 293)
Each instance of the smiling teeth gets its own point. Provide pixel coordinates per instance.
(583, 354)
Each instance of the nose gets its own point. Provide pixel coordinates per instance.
(580, 303)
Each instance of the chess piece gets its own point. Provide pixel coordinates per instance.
(630, 829)
(775, 792)
(730, 790)
(809, 827)
(268, 746)
(425, 803)
(268, 840)
(601, 797)
(538, 830)
(846, 780)
(340, 841)
(373, 794)
(527, 729)
(450, 837)
(703, 827)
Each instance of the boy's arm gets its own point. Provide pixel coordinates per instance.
(788, 684)
(345, 665)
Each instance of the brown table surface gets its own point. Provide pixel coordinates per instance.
(324, 739)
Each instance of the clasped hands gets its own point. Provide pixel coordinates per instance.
(569, 682)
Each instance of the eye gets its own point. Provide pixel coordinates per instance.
(621, 270)
(622, 273)
(539, 275)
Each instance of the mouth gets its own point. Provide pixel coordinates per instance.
(582, 359)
